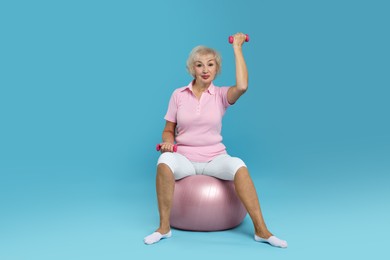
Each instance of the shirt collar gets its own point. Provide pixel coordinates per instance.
(211, 88)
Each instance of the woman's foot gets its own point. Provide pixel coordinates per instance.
(157, 236)
(272, 240)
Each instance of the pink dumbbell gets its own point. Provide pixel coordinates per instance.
(231, 38)
(158, 147)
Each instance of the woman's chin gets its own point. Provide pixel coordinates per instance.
(206, 81)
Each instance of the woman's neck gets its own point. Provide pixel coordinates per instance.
(199, 86)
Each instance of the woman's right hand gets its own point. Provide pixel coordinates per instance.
(166, 147)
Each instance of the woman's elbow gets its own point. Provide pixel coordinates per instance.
(242, 88)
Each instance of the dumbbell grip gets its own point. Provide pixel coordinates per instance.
(158, 147)
(231, 38)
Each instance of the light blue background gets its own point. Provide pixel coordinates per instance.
(84, 86)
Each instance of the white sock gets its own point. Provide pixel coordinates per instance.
(155, 237)
(272, 240)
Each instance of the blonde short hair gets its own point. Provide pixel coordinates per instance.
(202, 50)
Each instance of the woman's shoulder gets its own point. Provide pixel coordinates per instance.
(181, 89)
(176, 92)
(221, 89)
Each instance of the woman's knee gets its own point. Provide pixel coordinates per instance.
(237, 165)
(179, 165)
(162, 167)
(165, 162)
(243, 170)
(163, 171)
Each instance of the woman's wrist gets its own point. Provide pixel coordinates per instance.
(167, 142)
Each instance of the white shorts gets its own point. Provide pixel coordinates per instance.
(223, 166)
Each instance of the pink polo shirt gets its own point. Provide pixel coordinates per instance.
(199, 122)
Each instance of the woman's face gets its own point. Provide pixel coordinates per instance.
(205, 68)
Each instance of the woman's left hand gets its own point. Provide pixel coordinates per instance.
(239, 39)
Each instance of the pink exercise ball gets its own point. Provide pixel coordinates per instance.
(205, 203)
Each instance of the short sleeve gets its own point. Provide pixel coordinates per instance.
(172, 108)
(223, 93)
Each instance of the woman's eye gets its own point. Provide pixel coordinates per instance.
(211, 64)
(199, 65)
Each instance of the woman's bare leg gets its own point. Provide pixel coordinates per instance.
(165, 185)
(247, 193)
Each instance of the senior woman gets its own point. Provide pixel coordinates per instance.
(194, 121)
